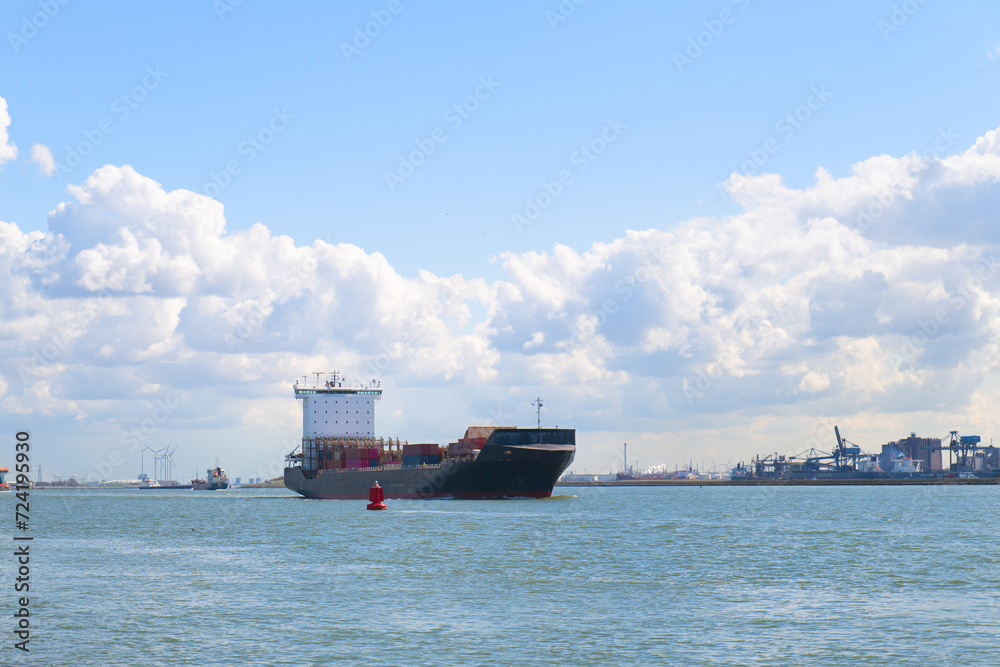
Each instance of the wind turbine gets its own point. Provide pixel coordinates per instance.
(142, 464)
(161, 460)
(169, 461)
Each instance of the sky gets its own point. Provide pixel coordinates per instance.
(708, 230)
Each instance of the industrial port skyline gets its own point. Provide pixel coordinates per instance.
(910, 457)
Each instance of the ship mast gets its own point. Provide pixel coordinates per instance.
(538, 402)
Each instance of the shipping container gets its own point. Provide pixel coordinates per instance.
(354, 464)
(411, 461)
(412, 450)
(373, 463)
(479, 432)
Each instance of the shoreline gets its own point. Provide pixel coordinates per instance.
(913, 481)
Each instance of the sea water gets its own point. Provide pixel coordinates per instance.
(593, 576)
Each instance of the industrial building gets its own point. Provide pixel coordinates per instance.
(925, 451)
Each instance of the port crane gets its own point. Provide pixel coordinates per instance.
(963, 448)
(844, 458)
(968, 454)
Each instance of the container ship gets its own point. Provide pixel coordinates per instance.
(340, 457)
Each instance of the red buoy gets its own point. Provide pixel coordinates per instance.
(376, 498)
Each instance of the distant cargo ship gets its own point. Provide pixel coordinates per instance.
(215, 479)
(341, 458)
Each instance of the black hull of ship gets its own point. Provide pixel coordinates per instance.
(514, 463)
(208, 487)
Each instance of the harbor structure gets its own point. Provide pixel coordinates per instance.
(912, 456)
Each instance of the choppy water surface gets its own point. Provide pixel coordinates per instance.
(597, 576)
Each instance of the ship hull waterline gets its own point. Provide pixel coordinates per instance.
(501, 471)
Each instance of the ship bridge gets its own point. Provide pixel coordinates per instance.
(332, 410)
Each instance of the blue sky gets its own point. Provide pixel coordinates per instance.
(670, 98)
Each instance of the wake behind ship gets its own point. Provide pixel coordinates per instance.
(341, 458)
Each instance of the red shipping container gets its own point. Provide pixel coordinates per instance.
(354, 464)
(412, 450)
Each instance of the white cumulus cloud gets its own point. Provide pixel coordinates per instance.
(877, 293)
(8, 151)
(42, 156)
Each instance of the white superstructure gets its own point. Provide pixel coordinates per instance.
(331, 410)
